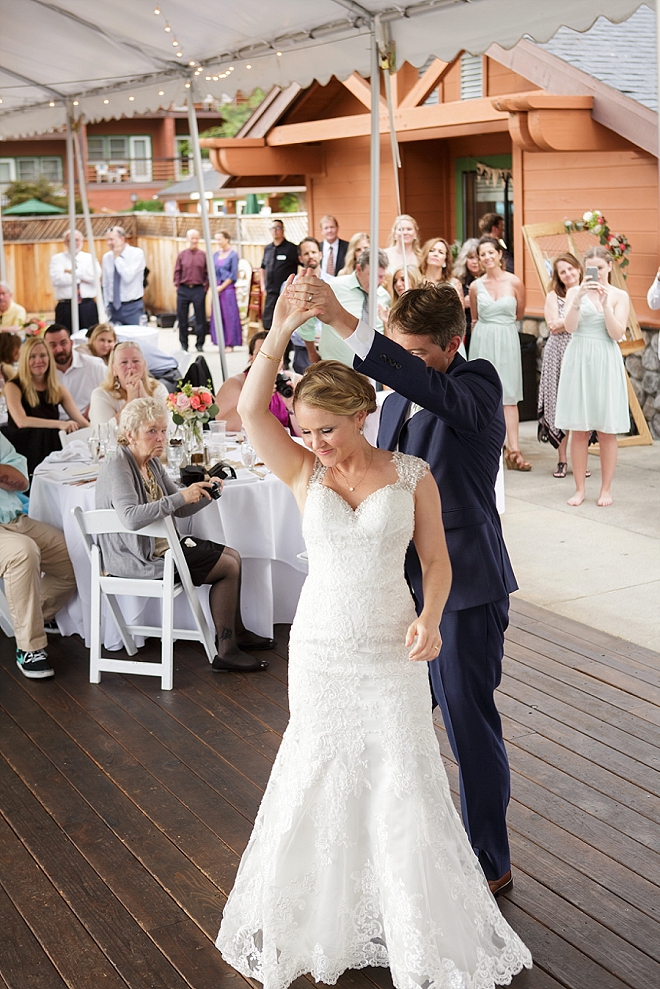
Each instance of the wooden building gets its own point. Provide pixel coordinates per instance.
(524, 132)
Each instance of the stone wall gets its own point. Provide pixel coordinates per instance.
(643, 369)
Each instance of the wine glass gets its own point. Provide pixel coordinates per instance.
(248, 454)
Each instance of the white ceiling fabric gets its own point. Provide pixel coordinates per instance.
(101, 54)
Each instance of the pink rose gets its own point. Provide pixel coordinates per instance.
(182, 401)
(206, 397)
(195, 402)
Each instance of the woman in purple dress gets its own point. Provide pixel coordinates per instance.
(226, 273)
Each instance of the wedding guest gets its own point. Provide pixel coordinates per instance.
(566, 273)
(135, 483)
(12, 316)
(492, 225)
(81, 373)
(279, 261)
(359, 242)
(192, 282)
(497, 300)
(226, 273)
(332, 247)
(435, 261)
(34, 398)
(467, 267)
(404, 238)
(100, 341)
(123, 271)
(230, 392)
(60, 276)
(10, 347)
(593, 391)
(653, 294)
(34, 565)
(127, 378)
(415, 279)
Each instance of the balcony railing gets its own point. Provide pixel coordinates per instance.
(139, 170)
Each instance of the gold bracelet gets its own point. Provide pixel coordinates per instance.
(269, 356)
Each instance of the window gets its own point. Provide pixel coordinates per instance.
(51, 169)
(476, 195)
(7, 170)
(117, 148)
(27, 169)
(471, 77)
(95, 149)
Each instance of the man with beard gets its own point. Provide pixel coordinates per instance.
(79, 373)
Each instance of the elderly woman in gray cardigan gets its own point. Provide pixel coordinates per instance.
(135, 484)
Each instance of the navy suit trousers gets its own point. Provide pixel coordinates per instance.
(464, 678)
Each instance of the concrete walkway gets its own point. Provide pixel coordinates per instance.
(599, 566)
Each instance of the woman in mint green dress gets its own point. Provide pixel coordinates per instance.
(593, 391)
(497, 301)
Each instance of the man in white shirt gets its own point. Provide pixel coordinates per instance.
(60, 276)
(352, 292)
(79, 373)
(123, 279)
(334, 249)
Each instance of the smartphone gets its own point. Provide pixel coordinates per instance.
(592, 273)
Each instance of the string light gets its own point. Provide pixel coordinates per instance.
(187, 86)
(105, 101)
(156, 10)
(279, 54)
(131, 98)
(52, 104)
(179, 54)
(75, 102)
(192, 62)
(175, 43)
(0, 99)
(248, 66)
(167, 27)
(161, 92)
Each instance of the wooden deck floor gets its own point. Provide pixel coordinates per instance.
(124, 811)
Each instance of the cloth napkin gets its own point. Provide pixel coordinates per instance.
(74, 452)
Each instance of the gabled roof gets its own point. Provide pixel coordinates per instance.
(621, 55)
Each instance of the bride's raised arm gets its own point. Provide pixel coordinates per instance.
(290, 461)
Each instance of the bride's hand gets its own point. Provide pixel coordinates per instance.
(427, 644)
(290, 313)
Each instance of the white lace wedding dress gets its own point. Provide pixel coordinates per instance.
(358, 856)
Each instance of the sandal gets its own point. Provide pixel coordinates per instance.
(561, 469)
(514, 460)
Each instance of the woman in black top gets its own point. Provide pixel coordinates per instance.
(467, 267)
(33, 399)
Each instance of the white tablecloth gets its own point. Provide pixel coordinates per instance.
(259, 518)
(139, 334)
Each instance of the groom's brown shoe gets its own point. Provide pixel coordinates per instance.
(502, 885)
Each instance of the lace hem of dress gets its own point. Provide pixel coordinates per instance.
(490, 974)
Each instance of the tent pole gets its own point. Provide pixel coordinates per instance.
(75, 315)
(206, 227)
(82, 184)
(3, 265)
(374, 225)
(657, 48)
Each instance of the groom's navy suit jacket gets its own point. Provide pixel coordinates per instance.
(459, 432)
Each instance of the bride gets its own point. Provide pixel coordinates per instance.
(358, 856)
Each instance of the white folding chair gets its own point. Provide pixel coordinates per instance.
(82, 435)
(6, 623)
(105, 521)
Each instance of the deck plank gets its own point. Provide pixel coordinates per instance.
(145, 798)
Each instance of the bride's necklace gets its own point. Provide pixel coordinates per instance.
(345, 479)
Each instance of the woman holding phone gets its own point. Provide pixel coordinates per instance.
(593, 393)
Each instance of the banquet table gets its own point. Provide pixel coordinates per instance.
(258, 517)
(137, 334)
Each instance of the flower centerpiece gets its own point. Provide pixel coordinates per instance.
(192, 408)
(33, 327)
(593, 220)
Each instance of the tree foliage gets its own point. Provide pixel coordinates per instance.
(235, 114)
(41, 189)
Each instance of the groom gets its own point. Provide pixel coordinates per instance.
(449, 412)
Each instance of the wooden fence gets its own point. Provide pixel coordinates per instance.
(30, 243)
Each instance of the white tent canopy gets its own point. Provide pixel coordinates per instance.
(116, 58)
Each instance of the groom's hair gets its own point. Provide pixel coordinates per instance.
(431, 310)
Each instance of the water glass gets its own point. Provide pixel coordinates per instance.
(94, 448)
(248, 454)
(144, 320)
(174, 456)
(104, 430)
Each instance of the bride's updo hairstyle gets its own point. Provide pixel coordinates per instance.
(335, 388)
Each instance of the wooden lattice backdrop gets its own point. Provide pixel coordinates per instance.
(545, 242)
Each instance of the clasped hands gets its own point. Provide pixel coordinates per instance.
(305, 296)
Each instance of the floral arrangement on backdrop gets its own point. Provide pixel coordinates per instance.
(617, 244)
(33, 327)
(192, 408)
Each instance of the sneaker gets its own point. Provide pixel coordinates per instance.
(34, 665)
(51, 627)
